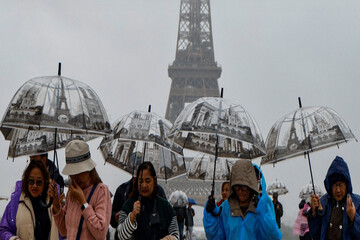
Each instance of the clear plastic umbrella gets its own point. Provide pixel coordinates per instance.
(27, 142)
(213, 124)
(277, 187)
(56, 102)
(305, 130)
(203, 165)
(178, 199)
(143, 136)
(220, 128)
(307, 191)
(47, 112)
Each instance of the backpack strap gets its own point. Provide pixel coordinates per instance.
(82, 217)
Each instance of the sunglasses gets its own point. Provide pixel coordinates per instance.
(38, 183)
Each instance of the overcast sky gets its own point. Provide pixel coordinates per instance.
(271, 53)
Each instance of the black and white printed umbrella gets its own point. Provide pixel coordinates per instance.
(305, 130)
(143, 136)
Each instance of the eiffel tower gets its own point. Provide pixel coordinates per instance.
(194, 73)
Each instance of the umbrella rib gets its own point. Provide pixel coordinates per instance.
(82, 106)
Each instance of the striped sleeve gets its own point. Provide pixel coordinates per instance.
(125, 228)
(174, 228)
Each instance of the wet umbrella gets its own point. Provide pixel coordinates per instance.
(203, 165)
(307, 191)
(304, 130)
(46, 107)
(143, 136)
(178, 199)
(220, 128)
(28, 142)
(55, 103)
(277, 187)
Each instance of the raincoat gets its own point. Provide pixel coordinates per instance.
(301, 226)
(318, 225)
(259, 222)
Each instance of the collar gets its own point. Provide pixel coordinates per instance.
(235, 209)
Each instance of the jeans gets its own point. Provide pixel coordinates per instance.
(181, 230)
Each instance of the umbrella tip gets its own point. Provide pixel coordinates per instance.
(300, 105)
(222, 92)
(149, 109)
(59, 69)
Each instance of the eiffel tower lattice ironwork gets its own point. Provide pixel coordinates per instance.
(194, 72)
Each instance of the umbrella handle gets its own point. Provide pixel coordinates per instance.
(217, 214)
(46, 205)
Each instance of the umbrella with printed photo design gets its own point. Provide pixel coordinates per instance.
(305, 130)
(143, 136)
(220, 128)
(47, 112)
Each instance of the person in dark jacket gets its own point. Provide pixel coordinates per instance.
(180, 216)
(336, 215)
(189, 220)
(121, 195)
(145, 215)
(278, 209)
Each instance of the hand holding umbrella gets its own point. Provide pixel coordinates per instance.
(136, 211)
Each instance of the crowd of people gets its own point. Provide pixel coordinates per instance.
(140, 209)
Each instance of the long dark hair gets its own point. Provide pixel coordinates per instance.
(141, 168)
(94, 176)
(25, 177)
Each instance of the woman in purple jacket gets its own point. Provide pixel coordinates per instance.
(24, 217)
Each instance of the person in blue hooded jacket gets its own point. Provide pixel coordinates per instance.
(336, 215)
(245, 214)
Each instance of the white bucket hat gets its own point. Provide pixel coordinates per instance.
(78, 158)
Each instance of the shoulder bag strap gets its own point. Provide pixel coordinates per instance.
(82, 217)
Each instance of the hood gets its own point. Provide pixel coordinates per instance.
(243, 173)
(338, 167)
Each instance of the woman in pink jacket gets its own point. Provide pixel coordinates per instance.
(87, 210)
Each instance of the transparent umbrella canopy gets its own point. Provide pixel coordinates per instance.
(143, 136)
(50, 106)
(203, 165)
(220, 128)
(46, 103)
(28, 142)
(307, 191)
(305, 130)
(47, 112)
(213, 124)
(178, 199)
(277, 187)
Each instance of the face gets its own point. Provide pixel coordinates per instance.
(82, 179)
(339, 190)
(242, 193)
(225, 191)
(36, 182)
(146, 183)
